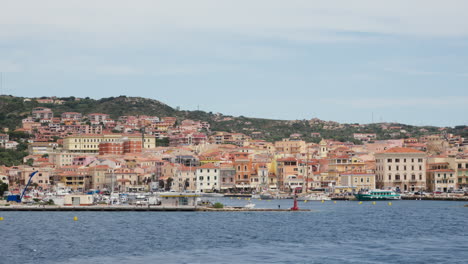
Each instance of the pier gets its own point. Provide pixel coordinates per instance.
(436, 198)
(136, 209)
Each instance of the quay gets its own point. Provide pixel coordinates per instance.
(436, 198)
(138, 209)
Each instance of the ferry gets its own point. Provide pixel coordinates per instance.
(378, 195)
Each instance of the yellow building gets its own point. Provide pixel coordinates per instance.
(290, 146)
(89, 143)
(353, 182)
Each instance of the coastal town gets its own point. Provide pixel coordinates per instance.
(76, 153)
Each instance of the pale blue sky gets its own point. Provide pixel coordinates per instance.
(335, 60)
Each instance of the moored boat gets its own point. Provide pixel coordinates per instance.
(377, 195)
(314, 197)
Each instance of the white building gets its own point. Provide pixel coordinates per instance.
(401, 169)
(208, 178)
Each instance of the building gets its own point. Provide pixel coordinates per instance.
(96, 118)
(71, 116)
(208, 178)
(365, 136)
(42, 113)
(356, 181)
(290, 146)
(440, 177)
(461, 167)
(228, 175)
(185, 179)
(286, 167)
(89, 143)
(402, 169)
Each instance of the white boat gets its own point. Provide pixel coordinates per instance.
(314, 197)
(212, 194)
(250, 205)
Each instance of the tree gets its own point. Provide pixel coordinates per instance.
(161, 184)
(169, 184)
(30, 162)
(3, 188)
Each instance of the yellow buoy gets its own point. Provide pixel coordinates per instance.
(334, 202)
(75, 218)
(231, 198)
(1, 218)
(360, 202)
(389, 203)
(323, 201)
(305, 201)
(373, 203)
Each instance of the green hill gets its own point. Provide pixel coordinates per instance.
(14, 109)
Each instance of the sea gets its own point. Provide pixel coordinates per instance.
(341, 232)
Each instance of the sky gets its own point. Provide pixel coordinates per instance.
(358, 61)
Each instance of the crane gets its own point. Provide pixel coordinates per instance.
(18, 198)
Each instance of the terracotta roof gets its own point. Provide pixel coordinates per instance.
(208, 166)
(402, 150)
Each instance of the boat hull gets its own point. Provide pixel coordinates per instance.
(371, 197)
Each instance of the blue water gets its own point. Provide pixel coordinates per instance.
(345, 232)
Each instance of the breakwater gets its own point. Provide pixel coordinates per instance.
(139, 209)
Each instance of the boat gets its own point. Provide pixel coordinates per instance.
(211, 195)
(377, 195)
(250, 205)
(314, 197)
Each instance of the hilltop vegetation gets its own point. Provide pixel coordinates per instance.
(14, 109)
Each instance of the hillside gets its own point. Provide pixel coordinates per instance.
(14, 109)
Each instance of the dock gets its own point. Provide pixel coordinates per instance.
(436, 198)
(137, 209)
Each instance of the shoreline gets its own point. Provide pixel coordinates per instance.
(139, 209)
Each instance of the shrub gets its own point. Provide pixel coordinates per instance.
(218, 205)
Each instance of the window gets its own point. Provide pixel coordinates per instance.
(389, 160)
(389, 177)
(389, 167)
(397, 160)
(420, 160)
